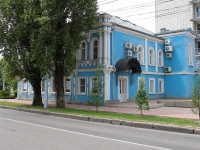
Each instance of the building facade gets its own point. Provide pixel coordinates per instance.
(166, 60)
(179, 14)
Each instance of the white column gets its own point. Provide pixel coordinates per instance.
(108, 45)
(100, 48)
(46, 91)
(146, 55)
(107, 85)
(105, 46)
(156, 55)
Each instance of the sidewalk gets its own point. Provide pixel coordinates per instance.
(127, 108)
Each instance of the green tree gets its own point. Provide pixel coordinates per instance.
(141, 99)
(19, 29)
(196, 97)
(97, 94)
(10, 80)
(62, 24)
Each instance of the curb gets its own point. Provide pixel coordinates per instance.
(112, 121)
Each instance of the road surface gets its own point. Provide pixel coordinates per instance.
(27, 131)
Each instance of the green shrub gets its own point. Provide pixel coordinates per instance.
(4, 94)
(15, 93)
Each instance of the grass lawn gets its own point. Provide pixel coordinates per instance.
(112, 115)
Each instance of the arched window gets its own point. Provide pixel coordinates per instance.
(160, 58)
(151, 57)
(95, 49)
(83, 49)
(140, 54)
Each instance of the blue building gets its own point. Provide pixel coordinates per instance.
(167, 63)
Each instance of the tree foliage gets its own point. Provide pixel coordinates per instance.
(196, 97)
(40, 36)
(141, 98)
(7, 76)
(62, 24)
(18, 31)
(97, 94)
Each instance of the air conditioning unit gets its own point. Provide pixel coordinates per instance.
(169, 55)
(167, 69)
(128, 45)
(168, 49)
(134, 49)
(128, 53)
(167, 42)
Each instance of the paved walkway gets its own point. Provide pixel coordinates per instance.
(127, 108)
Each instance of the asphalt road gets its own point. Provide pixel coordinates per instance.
(26, 131)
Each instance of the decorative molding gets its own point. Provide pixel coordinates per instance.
(177, 34)
(140, 35)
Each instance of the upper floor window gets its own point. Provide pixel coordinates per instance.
(160, 58)
(151, 57)
(83, 50)
(95, 49)
(140, 55)
(190, 58)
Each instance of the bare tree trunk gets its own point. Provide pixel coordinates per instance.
(59, 73)
(37, 99)
(141, 112)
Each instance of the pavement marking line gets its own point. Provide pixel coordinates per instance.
(86, 134)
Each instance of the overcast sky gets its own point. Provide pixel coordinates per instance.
(139, 12)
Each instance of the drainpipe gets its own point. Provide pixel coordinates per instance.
(113, 60)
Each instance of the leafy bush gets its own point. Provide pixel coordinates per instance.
(15, 93)
(4, 94)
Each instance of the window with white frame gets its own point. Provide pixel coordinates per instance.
(139, 81)
(160, 86)
(42, 86)
(82, 85)
(92, 82)
(23, 86)
(67, 85)
(151, 57)
(31, 89)
(140, 55)
(83, 50)
(95, 49)
(152, 86)
(53, 86)
(160, 58)
(190, 60)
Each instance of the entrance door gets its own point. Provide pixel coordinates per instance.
(122, 89)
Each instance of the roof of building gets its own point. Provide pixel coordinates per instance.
(165, 31)
(118, 21)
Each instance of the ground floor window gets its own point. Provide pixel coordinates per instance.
(42, 85)
(161, 86)
(152, 86)
(139, 80)
(53, 85)
(82, 85)
(31, 89)
(23, 86)
(92, 82)
(67, 85)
